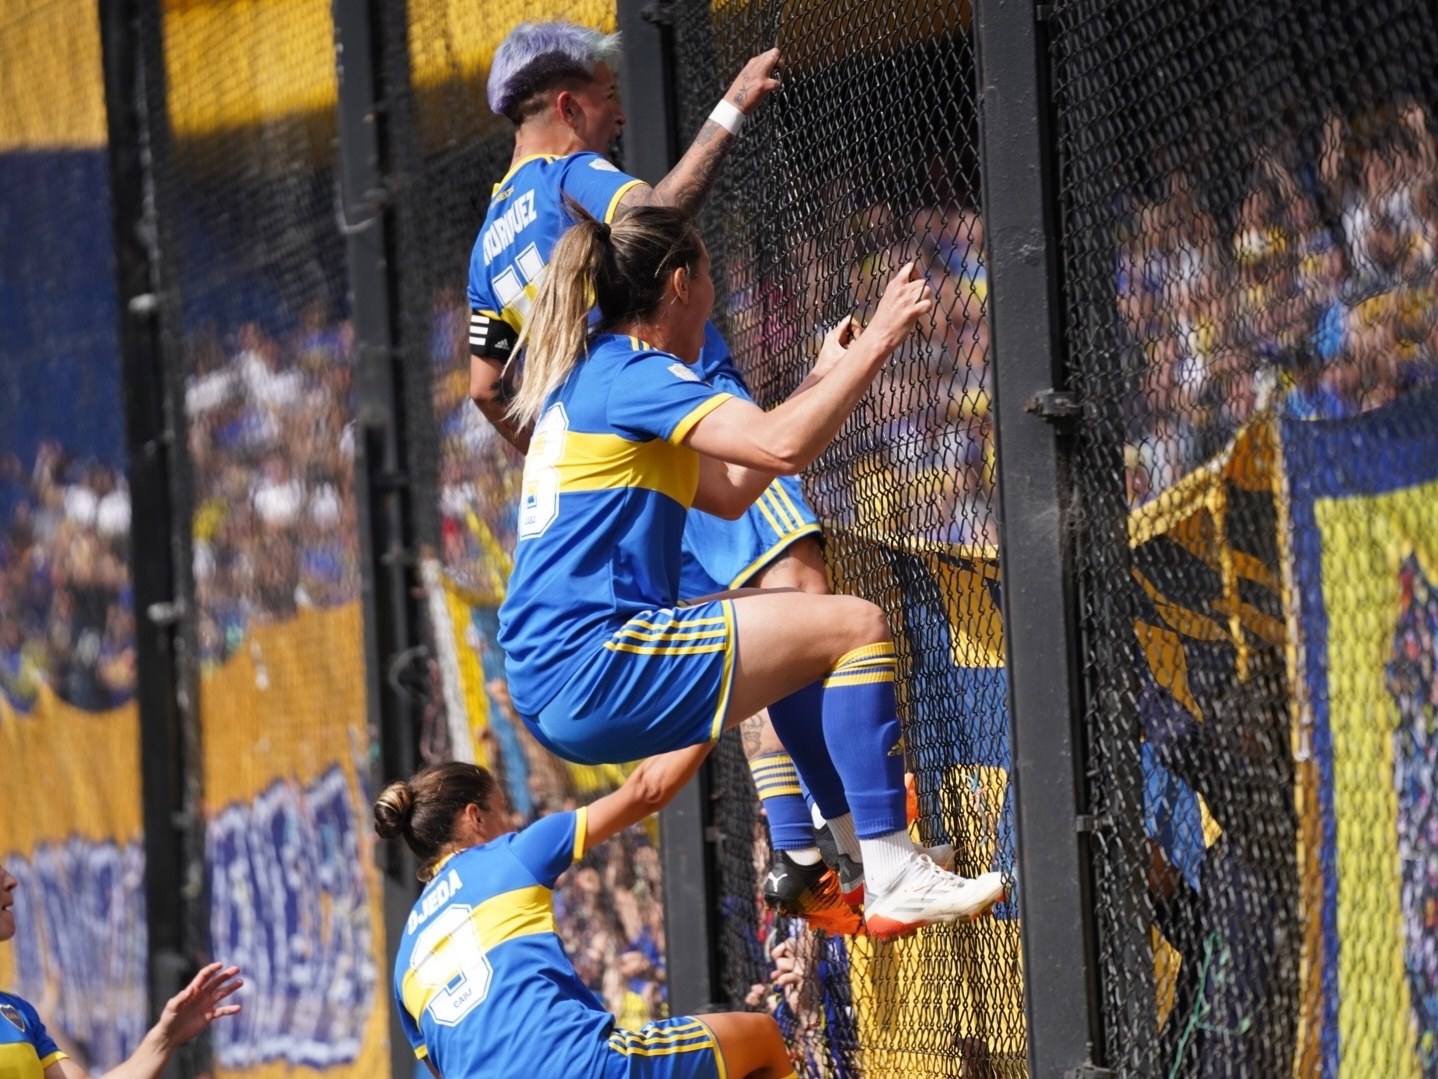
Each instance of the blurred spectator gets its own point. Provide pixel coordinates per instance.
(65, 604)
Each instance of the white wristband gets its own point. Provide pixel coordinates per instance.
(727, 116)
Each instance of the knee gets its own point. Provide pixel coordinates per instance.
(866, 622)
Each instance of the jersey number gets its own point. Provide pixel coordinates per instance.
(539, 499)
(449, 961)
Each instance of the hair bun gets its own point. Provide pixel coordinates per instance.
(393, 809)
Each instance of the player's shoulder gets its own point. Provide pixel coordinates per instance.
(587, 163)
(18, 1012)
(628, 351)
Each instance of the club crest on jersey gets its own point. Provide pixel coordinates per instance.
(684, 371)
(12, 1013)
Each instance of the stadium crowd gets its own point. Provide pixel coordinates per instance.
(1314, 294)
(271, 444)
(66, 611)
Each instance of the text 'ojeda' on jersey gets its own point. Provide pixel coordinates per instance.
(482, 982)
(525, 220)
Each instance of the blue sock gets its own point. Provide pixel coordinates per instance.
(798, 721)
(861, 727)
(790, 827)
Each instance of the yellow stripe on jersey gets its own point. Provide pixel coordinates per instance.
(522, 912)
(682, 429)
(581, 831)
(519, 165)
(777, 491)
(742, 577)
(717, 727)
(665, 650)
(787, 522)
(602, 462)
(613, 207)
(676, 1039)
(52, 1058)
(716, 620)
(665, 1034)
(768, 513)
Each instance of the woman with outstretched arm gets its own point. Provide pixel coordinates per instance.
(482, 983)
(28, 1052)
(604, 664)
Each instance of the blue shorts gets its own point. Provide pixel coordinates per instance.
(720, 555)
(659, 682)
(679, 1048)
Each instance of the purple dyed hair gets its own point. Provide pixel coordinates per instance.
(536, 56)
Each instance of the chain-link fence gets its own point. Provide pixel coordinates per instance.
(1248, 204)
(864, 160)
(1250, 211)
(257, 328)
(67, 631)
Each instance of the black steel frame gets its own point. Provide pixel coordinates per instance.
(1033, 416)
(687, 856)
(388, 563)
(176, 908)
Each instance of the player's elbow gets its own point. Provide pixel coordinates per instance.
(787, 455)
(647, 791)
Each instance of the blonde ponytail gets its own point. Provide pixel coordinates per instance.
(556, 332)
(621, 269)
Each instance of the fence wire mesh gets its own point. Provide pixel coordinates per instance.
(866, 159)
(450, 153)
(1250, 210)
(67, 632)
(257, 329)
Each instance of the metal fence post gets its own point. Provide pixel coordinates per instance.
(387, 559)
(686, 853)
(1040, 622)
(159, 540)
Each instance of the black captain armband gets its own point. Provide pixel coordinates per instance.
(491, 338)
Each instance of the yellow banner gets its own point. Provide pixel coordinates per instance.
(296, 899)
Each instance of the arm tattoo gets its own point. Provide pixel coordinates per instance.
(688, 183)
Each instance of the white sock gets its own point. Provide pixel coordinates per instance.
(804, 856)
(816, 817)
(842, 829)
(884, 859)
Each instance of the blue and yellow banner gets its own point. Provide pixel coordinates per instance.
(1363, 501)
(295, 896)
(70, 831)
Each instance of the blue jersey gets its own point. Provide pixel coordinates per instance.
(481, 979)
(25, 1049)
(721, 554)
(607, 486)
(525, 220)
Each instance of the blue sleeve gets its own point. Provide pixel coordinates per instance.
(590, 180)
(409, 1023)
(550, 845)
(716, 365)
(45, 1047)
(657, 395)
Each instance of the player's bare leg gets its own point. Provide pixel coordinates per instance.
(796, 881)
